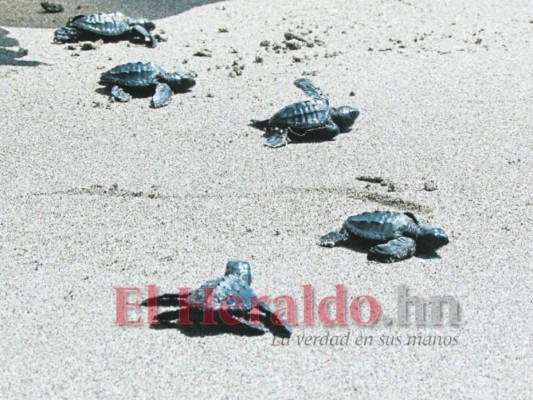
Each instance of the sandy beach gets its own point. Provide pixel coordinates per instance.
(96, 194)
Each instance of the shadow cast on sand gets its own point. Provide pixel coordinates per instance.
(199, 330)
(170, 320)
(362, 246)
(29, 13)
(138, 93)
(13, 56)
(313, 138)
(302, 139)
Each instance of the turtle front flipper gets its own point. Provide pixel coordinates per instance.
(69, 35)
(310, 89)
(394, 250)
(334, 238)
(163, 95)
(276, 325)
(142, 31)
(277, 139)
(119, 94)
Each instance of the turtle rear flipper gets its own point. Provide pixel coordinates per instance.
(273, 322)
(334, 238)
(394, 250)
(310, 89)
(162, 96)
(277, 139)
(119, 94)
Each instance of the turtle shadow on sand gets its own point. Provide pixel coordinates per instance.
(360, 245)
(195, 327)
(304, 139)
(138, 93)
(12, 56)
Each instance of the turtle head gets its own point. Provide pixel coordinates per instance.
(240, 268)
(344, 117)
(432, 238)
(149, 25)
(145, 23)
(179, 81)
(67, 34)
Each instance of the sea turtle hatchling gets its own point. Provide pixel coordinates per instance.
(231, 292)
(307, 120)
(105, 25)
(399, 233)
(142, 77)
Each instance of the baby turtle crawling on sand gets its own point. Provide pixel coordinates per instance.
(400, 234)
(105, 25)
(307, 120)
(231, 292)
(146, 77)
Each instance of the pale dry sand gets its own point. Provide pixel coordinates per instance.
(443, 108)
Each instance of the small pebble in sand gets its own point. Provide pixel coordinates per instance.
(203, 53)
(430, 186)
(276, 47)
(370, 179)
(293, 45)
(236, 69)
(293, 36)
(91, 45)
(52, 8)
(223, 30)
(332, 54)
